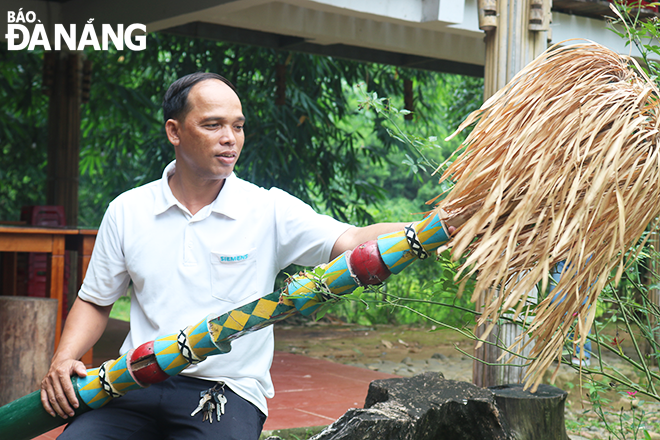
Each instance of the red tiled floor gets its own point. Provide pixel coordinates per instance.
(314, 392)
(51, 435)
(287, 418)
(308, 392)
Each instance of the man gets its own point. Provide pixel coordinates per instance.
(583, 360)
(198, 241)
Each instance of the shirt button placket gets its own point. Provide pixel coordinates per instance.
(188, 257)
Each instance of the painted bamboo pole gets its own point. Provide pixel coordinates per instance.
(155, 361)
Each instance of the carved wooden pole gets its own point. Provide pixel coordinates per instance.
(156, 361)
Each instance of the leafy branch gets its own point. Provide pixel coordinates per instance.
(416, 145)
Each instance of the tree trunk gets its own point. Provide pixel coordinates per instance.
(27, 340)
(63, 83)
(532, 416)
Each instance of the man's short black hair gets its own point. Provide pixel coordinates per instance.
(175, 102)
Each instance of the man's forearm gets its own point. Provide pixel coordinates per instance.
(355, 236)
(84, 326)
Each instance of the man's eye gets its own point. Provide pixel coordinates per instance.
(239, 127)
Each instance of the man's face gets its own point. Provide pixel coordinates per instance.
(210, 138)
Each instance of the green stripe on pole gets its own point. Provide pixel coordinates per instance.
(26, 418)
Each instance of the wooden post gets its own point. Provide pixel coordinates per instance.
(513, 39)
(533, 416)
(503, 335)
(63, 72)
(9, 266)
(26, 344)
(482, 373)
(280, 84)
(408, 99)
(487, 15)
(514, 372)
(512, 45)
(54, 285)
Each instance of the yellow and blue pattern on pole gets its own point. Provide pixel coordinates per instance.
(91, 391)
(338, 276)
(168, 356)
(119, 377)
(302, 289)
(250, 317)
(200, 340)
(301, 292)
(304, 293)
(397, 248)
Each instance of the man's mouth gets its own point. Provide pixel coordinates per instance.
(227, 157)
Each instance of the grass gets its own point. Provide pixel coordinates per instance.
(293, 433)
(620, 421)
(121, 309)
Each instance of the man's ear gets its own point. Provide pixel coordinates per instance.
(172, 130)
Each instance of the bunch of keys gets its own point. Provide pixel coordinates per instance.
(209, 400)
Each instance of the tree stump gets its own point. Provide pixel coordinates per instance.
(27, 340)
(429, 407)
(424, 407)
(532, 416)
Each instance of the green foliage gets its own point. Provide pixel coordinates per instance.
(427, 288)
(292, 433)
(121, 309)
(308, 147)
(355, 160)
(643, 33)
(23, 130)
(626, 423)
(297, 146)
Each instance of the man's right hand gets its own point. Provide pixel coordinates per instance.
(57, 393)
(84, 326)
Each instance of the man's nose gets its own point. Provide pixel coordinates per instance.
(227, 136)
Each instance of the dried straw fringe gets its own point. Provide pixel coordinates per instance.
(564, 161)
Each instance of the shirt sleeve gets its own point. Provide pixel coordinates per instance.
(107, 278)
(304, 237)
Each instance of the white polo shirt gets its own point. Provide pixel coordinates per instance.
(185, 267)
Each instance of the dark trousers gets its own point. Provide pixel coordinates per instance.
(162, 411)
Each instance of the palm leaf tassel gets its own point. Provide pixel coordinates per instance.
(563, 164)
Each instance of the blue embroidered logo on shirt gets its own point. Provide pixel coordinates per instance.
(233, 259)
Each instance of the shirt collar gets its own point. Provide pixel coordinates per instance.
(165, 199)
(228, 202)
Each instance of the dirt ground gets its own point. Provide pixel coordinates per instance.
(336, 341)
(367, 346)
(347, 343)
